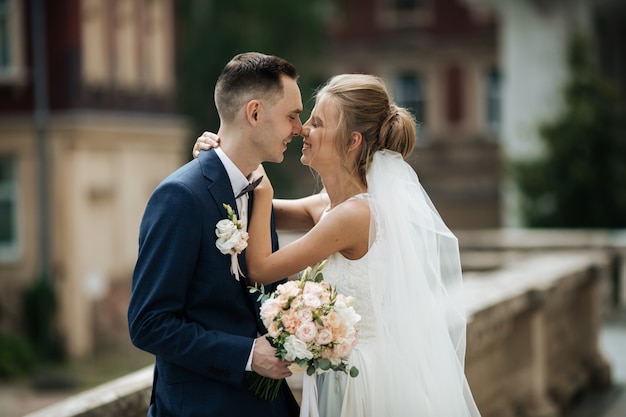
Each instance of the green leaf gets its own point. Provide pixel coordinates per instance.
(354, 372)
(324, 364)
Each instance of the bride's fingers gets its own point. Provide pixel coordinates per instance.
(206, 141)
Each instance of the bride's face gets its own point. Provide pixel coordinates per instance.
(319, 133)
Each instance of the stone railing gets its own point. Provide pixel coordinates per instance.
(533, 333)
(123, 397)
(489, 249)
(532, 338)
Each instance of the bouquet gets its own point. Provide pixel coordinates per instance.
(309, 324)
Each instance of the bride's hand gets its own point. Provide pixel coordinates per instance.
(205, 142)
(264, 188)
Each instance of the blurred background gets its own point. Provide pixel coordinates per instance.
(520, 105)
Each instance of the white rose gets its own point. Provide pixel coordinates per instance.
(296, 349)
(347, 314)
(225, 229)
(226, 244)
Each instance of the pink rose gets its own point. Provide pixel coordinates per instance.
(273, 329)
(289, 288)
(242, 243)
(333, 319)
(339, 332)
(311, 301)
(342, 349)
(269, 311)
(306, 332)
(305, 315)
(314, 288)
(290, 322)
(324, 337)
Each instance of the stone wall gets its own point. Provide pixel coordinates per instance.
(533, 331)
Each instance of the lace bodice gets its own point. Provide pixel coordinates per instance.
(350, 278)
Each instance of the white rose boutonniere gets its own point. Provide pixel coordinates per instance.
(231, 239)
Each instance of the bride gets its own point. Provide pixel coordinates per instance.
(386, 245)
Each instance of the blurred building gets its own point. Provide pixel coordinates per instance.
(481, 76)
(533, 40)
(87, 130)
(440, 59)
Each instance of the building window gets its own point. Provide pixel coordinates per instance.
(8, 209)
(11, 38)
(5, 45)
(406, 5)
(494, 101)
(409, 93)
(405, 13)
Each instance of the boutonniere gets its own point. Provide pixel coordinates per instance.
(231, 239)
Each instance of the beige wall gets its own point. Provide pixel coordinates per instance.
(103, 170)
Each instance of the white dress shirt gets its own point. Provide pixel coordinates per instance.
(238, 182)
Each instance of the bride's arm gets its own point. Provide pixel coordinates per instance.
(299, 214)
(345, 229)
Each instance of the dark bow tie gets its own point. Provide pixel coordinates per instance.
(249, 187)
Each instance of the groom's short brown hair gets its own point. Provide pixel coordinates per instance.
(250, 76)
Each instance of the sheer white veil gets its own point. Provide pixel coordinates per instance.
(414, 274)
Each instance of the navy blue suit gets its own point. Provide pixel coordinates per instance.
(186, 307)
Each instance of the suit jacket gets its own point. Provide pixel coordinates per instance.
(186, 307)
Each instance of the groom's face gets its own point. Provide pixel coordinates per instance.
(280, 123)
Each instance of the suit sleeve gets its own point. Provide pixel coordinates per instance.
(169, 244)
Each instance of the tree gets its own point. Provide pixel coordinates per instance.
(580, 181)
(213, 31)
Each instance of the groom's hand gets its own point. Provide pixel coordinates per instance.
(265, 363)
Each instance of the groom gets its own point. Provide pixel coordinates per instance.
(187, 307)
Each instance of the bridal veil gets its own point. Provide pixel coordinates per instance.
(414, 279)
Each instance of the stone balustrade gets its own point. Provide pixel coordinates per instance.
(533, 332)
(532, 338)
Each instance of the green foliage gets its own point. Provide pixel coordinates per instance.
(580, 182)
(16, 357)
(213, 31)
(39, 306)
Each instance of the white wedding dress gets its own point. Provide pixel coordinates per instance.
(411, 348)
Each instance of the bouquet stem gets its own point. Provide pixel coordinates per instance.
(266, 388)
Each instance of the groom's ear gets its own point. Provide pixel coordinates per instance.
(252, 111)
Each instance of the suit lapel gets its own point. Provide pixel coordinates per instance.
(219, 183)
(221, 192)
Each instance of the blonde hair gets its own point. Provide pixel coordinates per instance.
(365, 106)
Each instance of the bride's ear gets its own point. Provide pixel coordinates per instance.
(356, 138)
